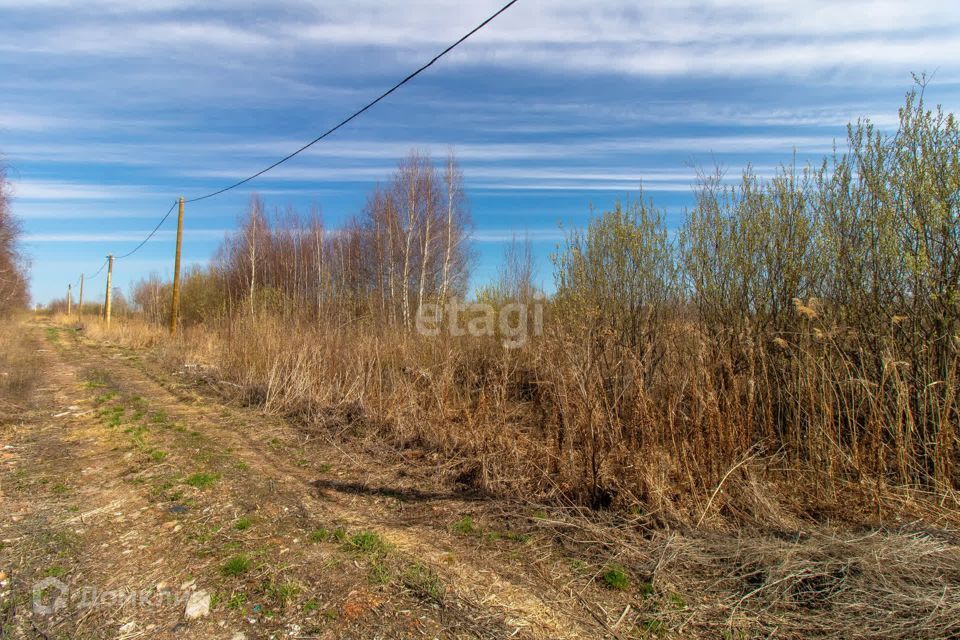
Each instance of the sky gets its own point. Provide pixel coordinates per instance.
(111, 109)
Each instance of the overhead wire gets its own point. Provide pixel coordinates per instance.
(325, 134)
(94, 276)
(358, 112)
(151, 234)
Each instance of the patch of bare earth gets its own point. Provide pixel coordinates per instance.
(141, 493)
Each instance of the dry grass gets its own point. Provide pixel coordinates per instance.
(488, 419)
(19, 370)
(819, 583)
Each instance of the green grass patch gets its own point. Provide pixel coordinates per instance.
(103, 398)
(138, 436)
(237, 601)
(615, 577)
(319, 535)
(236, 566)
(323, 535)
(368, 542)
(466, 526)
(242, 524)
(113, 416)
(202, 479)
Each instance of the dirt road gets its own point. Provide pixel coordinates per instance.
(130, 497)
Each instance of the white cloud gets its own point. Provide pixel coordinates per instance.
(82, 210)
(124, 39)
(508, 235)
(56, 190)
(122, 236)
(660, 37)
(388, 153)
(30, 122)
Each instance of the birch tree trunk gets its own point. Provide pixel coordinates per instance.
(411, 222)
(451, 184)
(424, 259)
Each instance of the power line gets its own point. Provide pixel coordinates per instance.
(93, 277)
(343, 122)
(357, 113)
(145, 240)
(139, 246)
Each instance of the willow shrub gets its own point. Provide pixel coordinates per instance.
(812, 314)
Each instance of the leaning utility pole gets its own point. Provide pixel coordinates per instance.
(175, 305)
(69, 286)
(106, 304)
(80, 302)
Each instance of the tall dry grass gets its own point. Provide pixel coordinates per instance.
(538, 422)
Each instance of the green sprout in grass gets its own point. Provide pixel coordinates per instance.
(615, 577)
(236, 566)
(465, 526)
(202, 480)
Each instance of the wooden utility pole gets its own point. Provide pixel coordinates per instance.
(106, 304)
(69, 298)
(175, 305)
(80, 302)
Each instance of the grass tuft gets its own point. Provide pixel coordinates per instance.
(236, 566)
(615, 577)
(368, 542)
(202, 480)
(465, 526)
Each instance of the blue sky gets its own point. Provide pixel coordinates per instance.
(112, 108)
